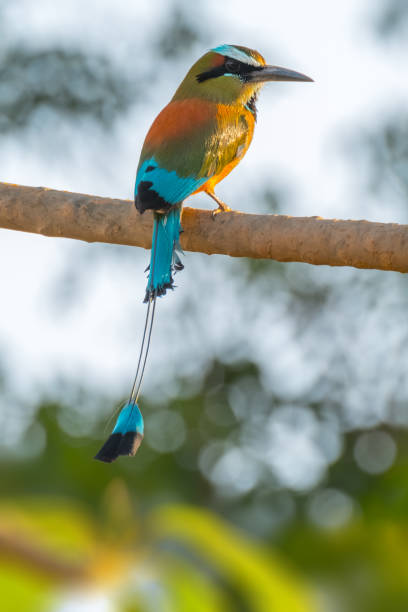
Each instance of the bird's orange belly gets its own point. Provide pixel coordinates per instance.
(209, 185)
(212, 182)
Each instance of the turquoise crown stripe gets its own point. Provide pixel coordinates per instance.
(234, 53)
(167, 183)
(129, 419)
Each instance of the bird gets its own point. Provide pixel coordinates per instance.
(192, 145)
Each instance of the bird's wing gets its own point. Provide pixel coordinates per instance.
(189, 142)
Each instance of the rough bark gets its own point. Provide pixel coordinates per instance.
(313, 240)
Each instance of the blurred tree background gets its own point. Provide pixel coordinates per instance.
(273, 471)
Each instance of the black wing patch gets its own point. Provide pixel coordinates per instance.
(148, 199)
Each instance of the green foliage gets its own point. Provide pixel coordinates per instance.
(392, 20)
(66, 82)
(179, 34)
(175, 558)
(153, 524)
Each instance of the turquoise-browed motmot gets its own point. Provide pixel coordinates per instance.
(196, 140)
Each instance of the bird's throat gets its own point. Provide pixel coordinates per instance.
(251, 104)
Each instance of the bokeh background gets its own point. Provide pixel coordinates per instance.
(273, 474)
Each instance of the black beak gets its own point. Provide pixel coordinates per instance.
(275, 73)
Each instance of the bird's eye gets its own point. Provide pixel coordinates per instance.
(232, 65)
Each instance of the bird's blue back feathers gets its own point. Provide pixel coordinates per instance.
(167, 184)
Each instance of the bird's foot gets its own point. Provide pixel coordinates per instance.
(223, 208)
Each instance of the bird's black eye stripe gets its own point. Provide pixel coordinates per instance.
(230, 66)
(211, 74)
(233, 66)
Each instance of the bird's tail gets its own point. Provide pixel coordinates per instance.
(128, 432)
(126, 436)
(164, 259)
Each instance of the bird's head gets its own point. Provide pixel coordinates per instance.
(230, 73)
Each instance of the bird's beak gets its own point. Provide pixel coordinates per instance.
(275, 73)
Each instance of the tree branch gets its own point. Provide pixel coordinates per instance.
(313, 240)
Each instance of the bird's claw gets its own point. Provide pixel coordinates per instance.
(221, 208)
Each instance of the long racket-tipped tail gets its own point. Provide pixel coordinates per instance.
(164, 259)
(128, 432)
